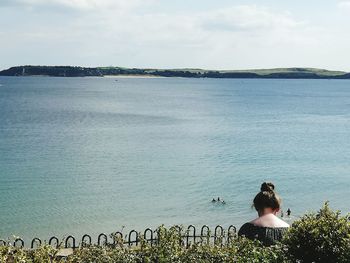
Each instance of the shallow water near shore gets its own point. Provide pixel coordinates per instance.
(91, 155)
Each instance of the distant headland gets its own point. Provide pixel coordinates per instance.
(72, 71)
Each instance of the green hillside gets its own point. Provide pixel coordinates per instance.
(277, 73)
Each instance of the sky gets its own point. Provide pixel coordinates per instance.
(208, 34)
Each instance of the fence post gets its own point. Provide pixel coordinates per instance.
(54, 239)
(205, 228)
(20, 240)
(73, 242)
(84, 243)
(99, 240)
(136, 237)
(115, 238)
(194, 234)
(145, 236)
(231, 232)
(35, 241)
(216, 234)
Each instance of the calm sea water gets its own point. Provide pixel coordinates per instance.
(91, 155)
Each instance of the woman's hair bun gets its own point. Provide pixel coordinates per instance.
(267, 198)
(267, 187)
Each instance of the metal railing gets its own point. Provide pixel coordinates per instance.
(187, 237)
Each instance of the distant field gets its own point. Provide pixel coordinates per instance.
(293, 70)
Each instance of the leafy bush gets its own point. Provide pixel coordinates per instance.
(320, 237)
(43, 254)
(242, 250)
(169, 248)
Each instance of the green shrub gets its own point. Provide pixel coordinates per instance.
(43, 254)
(320, 237)
(241, 250)
(168, 249)
(245, 250)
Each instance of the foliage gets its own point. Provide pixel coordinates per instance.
(169, 248)
(320, 237)
(43, 254)
(240, 250)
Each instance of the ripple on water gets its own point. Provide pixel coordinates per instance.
(82, 156)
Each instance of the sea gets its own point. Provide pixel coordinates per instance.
(93, 155)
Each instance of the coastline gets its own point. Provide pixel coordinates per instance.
(133, 76)
(120, 72)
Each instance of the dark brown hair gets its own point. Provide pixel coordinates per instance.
(267, 198)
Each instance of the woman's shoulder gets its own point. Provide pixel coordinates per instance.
(247, 225)
(250, 228)
(269, 221)
(267, 235)
(281, 223)
(247, 229)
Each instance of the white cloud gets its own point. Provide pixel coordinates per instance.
(239, 36)
(198, 26)
(246, 17)
(77, 4)
(345, 4)
(220, 38)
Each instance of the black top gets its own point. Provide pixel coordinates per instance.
(267, 235)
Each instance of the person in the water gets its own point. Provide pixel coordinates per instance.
(288, 212)
(222, 201)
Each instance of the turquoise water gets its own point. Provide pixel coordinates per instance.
(91, 155)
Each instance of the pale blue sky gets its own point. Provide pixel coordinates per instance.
(224, 34)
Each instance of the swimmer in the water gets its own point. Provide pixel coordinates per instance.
(213, 201)
(288, 212)
(218, 199)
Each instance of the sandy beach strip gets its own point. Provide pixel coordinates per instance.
(132, 76)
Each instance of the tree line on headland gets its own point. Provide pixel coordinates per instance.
(72, 71)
